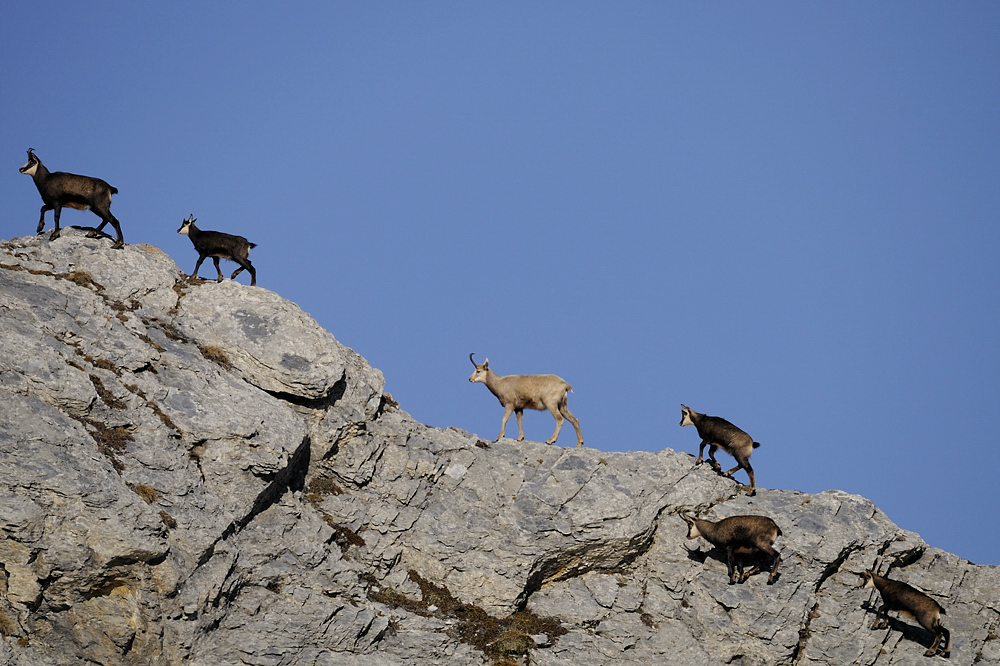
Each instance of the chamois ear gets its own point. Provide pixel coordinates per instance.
(486, 364)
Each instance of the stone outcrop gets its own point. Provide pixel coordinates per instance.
(198, 473)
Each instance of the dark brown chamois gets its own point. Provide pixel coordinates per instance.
(218, 245)
(739, 536)
(60, 189)
(903, 598)
(719, 433)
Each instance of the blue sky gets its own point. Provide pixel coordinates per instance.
(785, 214)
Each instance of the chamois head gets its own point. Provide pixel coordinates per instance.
(186, 225)
(481, 370)
(32, 164)
(686, 413)
(693, 532)
(868, 580)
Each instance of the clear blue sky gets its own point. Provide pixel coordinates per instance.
(785, 214)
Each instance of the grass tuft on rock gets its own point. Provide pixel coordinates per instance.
(495, 637)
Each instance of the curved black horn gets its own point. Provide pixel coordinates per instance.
(470, 358)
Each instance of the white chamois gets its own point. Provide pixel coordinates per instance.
(519, 392)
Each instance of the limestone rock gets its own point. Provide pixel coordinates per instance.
(198, 473)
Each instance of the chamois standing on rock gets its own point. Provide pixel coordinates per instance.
(719, 433)
(903, 598)
(519, 392)
(60, 189)
(739, 536)
(218, 245)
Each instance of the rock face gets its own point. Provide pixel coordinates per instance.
(198, 473)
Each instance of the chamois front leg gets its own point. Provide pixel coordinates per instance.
(197, 266)
(519, 414)
(711, 457)
(41, 219)
(701, 449)
(881, 620)
(503, 424)
(731, 564)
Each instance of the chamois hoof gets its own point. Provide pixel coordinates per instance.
(579, 445)
(55, 234)
(92, 233)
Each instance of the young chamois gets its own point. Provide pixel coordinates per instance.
(218, 245)
(900, 597)
(519, 392)
(720, 433)
(739, 536)
(60, 189)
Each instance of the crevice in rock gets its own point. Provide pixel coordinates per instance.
(804, 634)
(573, 562)
(292, 477)
(834, 566)
(322, 403)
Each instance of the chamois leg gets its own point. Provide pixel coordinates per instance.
(519, 414)
(701, 450)
(731, 564)
(201, 258)
(120, 242)
(503, 424)
(559, 424)
(711, 457)
(41, 219)
(745, 464)
(564, 408)
(56, 212)
(107, 217)
(217, 269)
(774, 569)
(945, 649)
(245, 265)
(881, 620)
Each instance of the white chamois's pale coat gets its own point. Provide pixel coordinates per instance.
(519, 392)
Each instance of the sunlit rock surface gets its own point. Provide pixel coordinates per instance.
(198, 473)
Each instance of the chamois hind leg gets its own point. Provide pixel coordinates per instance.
(564, 409)
(56, 212)
(559, 423)
(245, 265)
(945, 649)
(745, 464)
(217, 269)
(519, 414)
(776, 556)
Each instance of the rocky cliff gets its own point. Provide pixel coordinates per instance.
(198, 473)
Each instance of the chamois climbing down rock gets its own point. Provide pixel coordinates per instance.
(739, 536)
(905, 599)
(719, 433)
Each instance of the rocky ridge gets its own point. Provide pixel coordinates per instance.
(198, 473)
